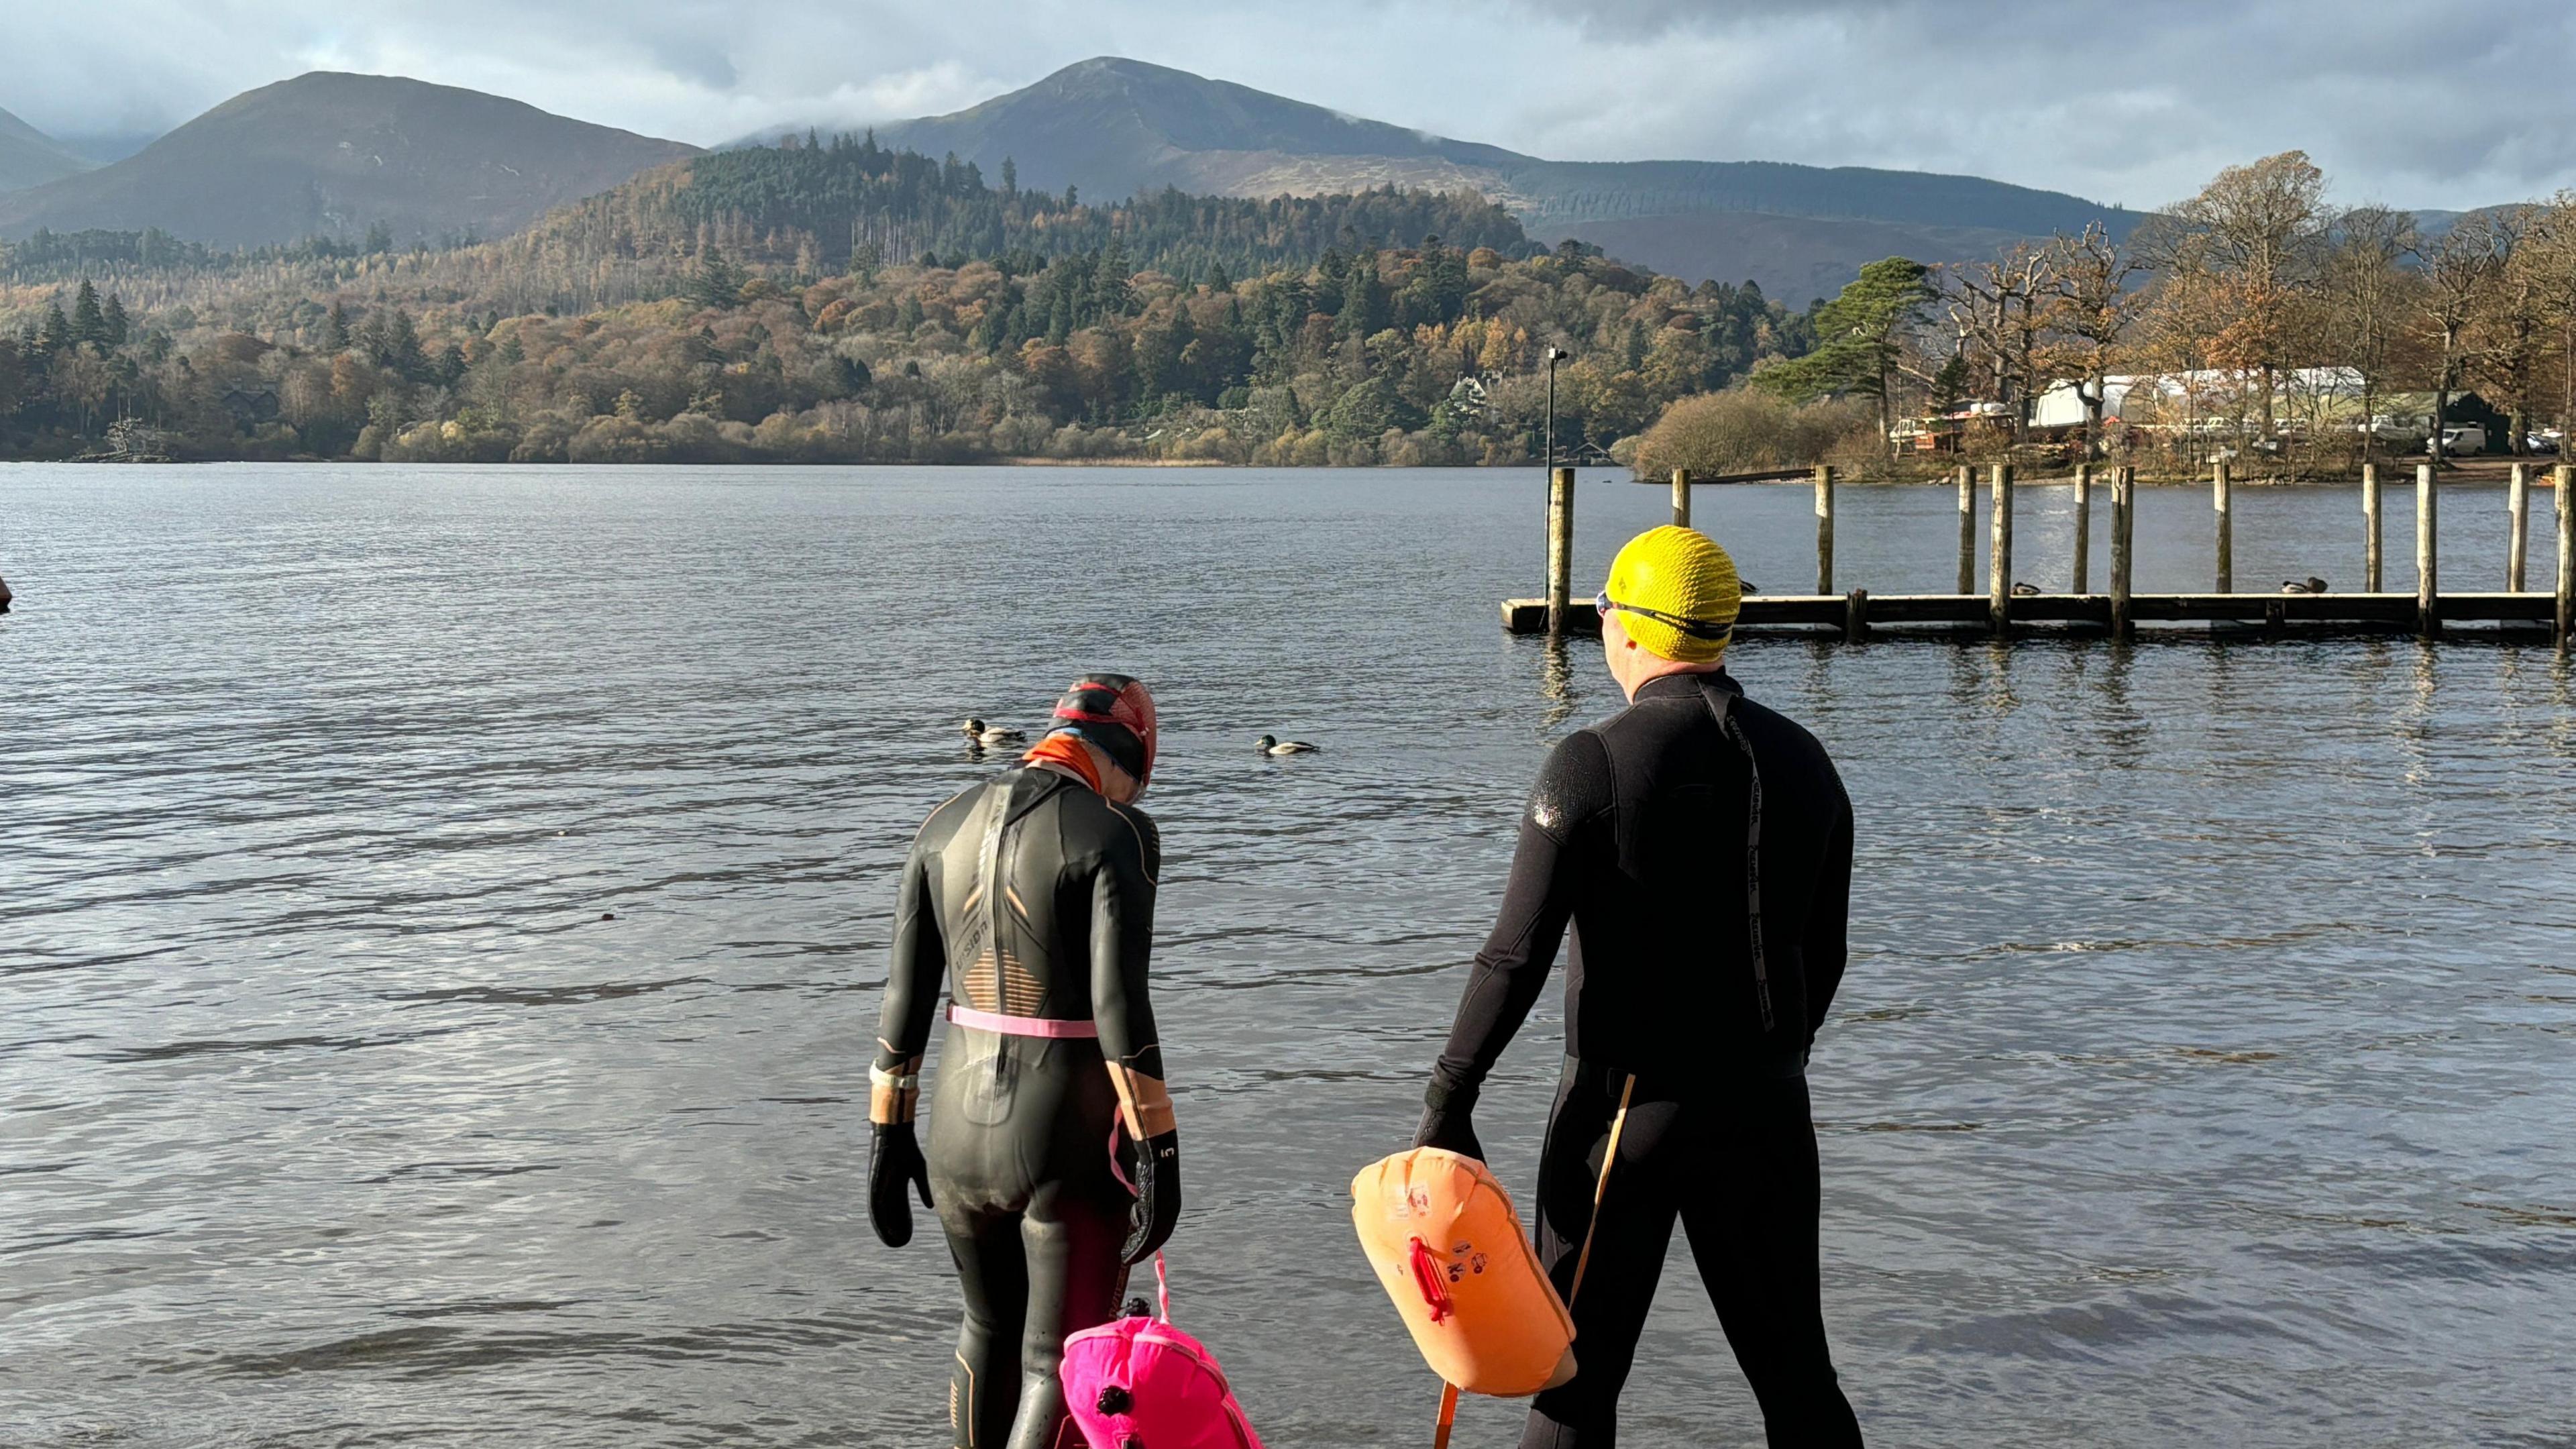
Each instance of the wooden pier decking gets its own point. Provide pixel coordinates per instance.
(1861, 614)
(2002, 612)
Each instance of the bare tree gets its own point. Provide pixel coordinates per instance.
(2512, 328)
(1998, 307)
(2089, 300)
(2460, 270)
(2369, 302)
(2550, 255)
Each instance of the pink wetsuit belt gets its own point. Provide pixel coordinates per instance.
(1045, 1026)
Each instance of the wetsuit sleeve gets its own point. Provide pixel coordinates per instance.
(1122, 938)
(1825, 946)
(1572, 795)
(918, 966)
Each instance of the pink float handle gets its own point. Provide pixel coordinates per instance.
(1039, 1026)
(1162, 1285)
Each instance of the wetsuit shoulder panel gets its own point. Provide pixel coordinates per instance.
(1574, 787)
(1149, 837)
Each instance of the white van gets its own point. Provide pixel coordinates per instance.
(2463, 440)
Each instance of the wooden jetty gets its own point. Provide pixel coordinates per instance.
(2002, 613)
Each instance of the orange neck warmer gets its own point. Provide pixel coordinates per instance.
(1067, 749)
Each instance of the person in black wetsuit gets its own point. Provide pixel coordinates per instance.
(1701, 846)
(1032, 897)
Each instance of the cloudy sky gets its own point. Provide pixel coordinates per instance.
(2453, 104)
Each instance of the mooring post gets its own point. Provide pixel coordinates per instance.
(2565, 479)
(2517, 502)
(1856, 614)
(1824, 528)
(2221, 489)
(1967, 529)
(2428, 588)
(2370, 528)
(2083, 528)
(2124, 513)
(1681, 498)
(1560, 548)
(1999, 552)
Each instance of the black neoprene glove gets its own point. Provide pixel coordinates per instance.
(1448, 1121)
(894, 1163)
(1158, 1197)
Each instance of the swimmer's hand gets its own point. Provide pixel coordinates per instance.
(894, 1163)
(1449, 1122)
(1158, 1197)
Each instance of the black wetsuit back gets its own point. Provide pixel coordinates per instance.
(1656, 833)
(1030, 896)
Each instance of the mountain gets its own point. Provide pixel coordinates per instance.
(29, 157)
(335, 154)
(1111, 126)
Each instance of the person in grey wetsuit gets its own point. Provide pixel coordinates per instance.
(1053, 1160)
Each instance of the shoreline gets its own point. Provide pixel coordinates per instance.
(2399, 474)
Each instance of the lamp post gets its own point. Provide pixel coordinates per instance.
(1555, 355)
(1547, 470)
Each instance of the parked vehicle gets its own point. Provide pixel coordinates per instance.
(2463, 440)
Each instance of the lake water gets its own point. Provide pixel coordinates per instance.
(2204, 1072)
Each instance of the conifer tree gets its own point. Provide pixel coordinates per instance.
(1117, 298)
(402, 347)
(89, 323)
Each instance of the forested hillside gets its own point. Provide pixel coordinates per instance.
(1120, 125)
(845, 301)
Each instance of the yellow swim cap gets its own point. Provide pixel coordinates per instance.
(1677, 593)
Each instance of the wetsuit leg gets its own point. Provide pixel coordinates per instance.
(1628, 1244)
(1753, 1232)
(1071, 1241)
(993, 1272)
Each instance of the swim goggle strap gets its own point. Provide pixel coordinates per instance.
(1691, 628)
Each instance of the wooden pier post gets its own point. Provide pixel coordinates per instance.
(2565, 478)
(2370, 528)
(1856, 615)
(1681, 498)
(2083, 528)
(2124, 516)
(1999, 552)
(1967, 529)
(2428, 587)
(1824, 528)
(1560, 548)
(2517, 503)
(2221, 489)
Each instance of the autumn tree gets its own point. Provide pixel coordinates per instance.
(2252, 239)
